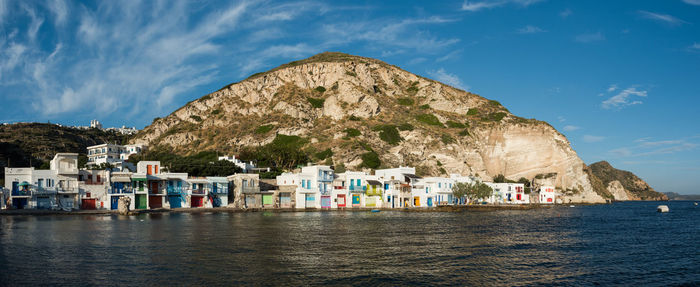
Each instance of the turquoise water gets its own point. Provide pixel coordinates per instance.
(616, 244)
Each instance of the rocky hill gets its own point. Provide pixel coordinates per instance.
(362, 113)
(36, 143)
(624, 185)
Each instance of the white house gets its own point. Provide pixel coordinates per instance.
(245, 166)
(402, 185)
(439, 190)
(314, 186)
(547, 195)
(56, 188)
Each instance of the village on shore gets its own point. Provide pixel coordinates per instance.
(66, 187)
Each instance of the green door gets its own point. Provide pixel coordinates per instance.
(267, 199)
(141, 201)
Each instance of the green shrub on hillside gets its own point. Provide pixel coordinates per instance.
(406, 127)
(447, 139)
(429, 119)
(324, 154)
(455, 125)
(354, 118)
(464, 133)
(405, 101)
(351, 133)
(424, 107)
(216, 112)
(389, 134)
(494, 117)
(264, 129)
(320, 89)
(371, 160)
(494, 103)
(316, 103)
(349, 73)
(196, 118)
(473, 112)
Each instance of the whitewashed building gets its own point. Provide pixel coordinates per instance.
(55, 188)
(402, 185)
(314, 186)
(439, 190)
(245, 166)
(547, 195)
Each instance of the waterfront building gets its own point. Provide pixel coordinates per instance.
(339, 194)
(547, 195)
(219, 191)
(55, 188)
(373, 192)
(245, 166)
(314, 186)
(155, 184)
(94, 187)
(176, 185)
(113, 154)
(438, 190)
(356, 187)
(246, 190)
(403, 184)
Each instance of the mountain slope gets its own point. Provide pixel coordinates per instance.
(355, 106)
(624, 184)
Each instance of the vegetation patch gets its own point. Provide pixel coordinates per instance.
(464, 133)
(371, 160)
(349, 73)
(351, 133)
(324, 154)
(447, 139)
(405, 101)
(424, 107)
(389, 134)
(316, 103)
(455, 125)
(354, 118)
(494, 103)
(264, 129)
(196, 118)
(406, 127)
(216, 112)
(494, 117)
(320, 89)
(429, 119)
(472, 112)
(207, 97)
(413, 89)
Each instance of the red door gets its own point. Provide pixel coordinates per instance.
(89, 204)
(154, 187)
(155, 201)
(341, 200)
(197, 201)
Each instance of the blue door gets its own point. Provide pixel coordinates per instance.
(430, 201)
(175, 201)
(216, 201)
(115, 202)
(19, 203)
(15, 187)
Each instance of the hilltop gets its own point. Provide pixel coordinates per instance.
(361, 113)
(623, 184)
(37, 143)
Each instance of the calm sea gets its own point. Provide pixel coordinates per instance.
(616, 244)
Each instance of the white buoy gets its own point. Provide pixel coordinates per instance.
(662, 208)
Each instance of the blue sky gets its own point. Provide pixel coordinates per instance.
(621, 79)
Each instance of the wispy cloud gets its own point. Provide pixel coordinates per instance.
(692, 2)
(451, 79)
(529, 29)
(473, 6)
(561, 119)
(612, 88)
(663, 18)
(592, 138)
(449, 56)
(695, 47)
(589, 37)
(59, 8)
(645, 147)
(622, 99)
(570, 128)
(566, 13)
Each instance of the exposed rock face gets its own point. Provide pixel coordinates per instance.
(451, 131)
(123, 205)
(624, 185)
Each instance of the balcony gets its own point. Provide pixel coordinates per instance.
(250, 189)
(21, 193)
(358, 188)
(327, 177)
(198, 191)
(220, 191)
(67, 190)
(121, 190)
(42, 191)
(176, 190)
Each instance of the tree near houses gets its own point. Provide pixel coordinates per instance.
(472, 191)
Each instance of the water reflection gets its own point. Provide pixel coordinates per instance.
(610, 244)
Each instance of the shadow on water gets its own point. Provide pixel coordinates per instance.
(617, 244)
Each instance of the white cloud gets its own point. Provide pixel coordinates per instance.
(59, 9)
(34, 24)
(566, 13)
(473, 6)
(692, 2)
(529, 29)
(450, 79)
(449, 56)
(622, 99)
(590, 37)
(3, 11)
(570, 128)
(561, 119)
(612, 88)
(417, 60)
(663, 18)
(695, 47)
(592, 139)
(644, 148)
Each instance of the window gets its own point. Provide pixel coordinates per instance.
(40, 183)
(156, 170)
(439, 185)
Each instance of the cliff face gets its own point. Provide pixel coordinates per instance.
(624, 185)
(349, 104)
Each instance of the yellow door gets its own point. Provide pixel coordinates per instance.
(416, 201)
